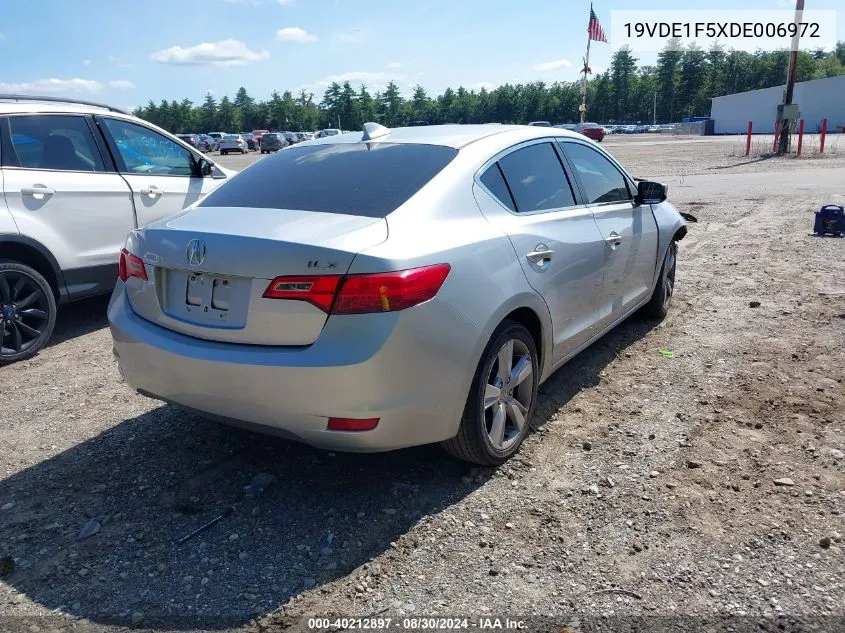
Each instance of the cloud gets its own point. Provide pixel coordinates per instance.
(86, 62)
(786, 3)
(483, 84)
(558, 63)
(352, 37)
(51, 86)
(122, 84)
(284, 2)
(373, 80)
(394, 65)
(222, 53)
(295, 34)
(2, 36)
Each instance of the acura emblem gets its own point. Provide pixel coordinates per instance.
(195, 252)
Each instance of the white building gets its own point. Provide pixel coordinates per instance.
(816, 100)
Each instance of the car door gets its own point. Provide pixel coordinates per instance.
(62, 191)
(527, 192)
(629, 230)
(164, 175)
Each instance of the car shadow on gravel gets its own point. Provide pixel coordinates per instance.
(150, 480)
(79, 318)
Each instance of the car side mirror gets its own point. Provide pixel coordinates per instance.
(207, 168)
(650, 192)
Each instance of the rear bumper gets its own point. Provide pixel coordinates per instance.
(410, 369)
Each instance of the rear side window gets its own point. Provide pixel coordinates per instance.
(58, 142)
(495, 183)
(536, 179)
(364, 179)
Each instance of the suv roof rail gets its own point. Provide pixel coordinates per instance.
(14, 97)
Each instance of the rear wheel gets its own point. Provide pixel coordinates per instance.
(500, 405)
(661, 298)
(27, 312)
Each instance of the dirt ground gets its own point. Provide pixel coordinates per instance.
(705, 488)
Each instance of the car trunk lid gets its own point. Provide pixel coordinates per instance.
(208, 269)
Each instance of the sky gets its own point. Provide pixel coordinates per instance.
(126, 52)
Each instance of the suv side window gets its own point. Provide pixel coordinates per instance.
(143, 151)
(52, 141)
(536, 178)
(600, 179)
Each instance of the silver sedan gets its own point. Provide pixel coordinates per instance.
(388, 288)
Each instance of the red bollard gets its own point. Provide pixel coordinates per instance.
(800, 136)
(824, 133)
(748, 140)
(777, 134)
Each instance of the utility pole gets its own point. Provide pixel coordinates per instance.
(787, 115)
(654, 111)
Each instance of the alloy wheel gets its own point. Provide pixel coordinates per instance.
(508, 394)
(24, 312)
(668, 280)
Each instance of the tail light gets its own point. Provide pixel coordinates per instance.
(130, 266)
(362, 293)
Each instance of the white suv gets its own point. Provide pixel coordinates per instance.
(75, 178)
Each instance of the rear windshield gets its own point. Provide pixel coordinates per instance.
(231, 137)
(350, 178)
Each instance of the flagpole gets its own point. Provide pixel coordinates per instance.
(583, 109)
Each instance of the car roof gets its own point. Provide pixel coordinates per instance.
(17, 103)
(452, 135)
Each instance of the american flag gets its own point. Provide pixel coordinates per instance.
(594, 28)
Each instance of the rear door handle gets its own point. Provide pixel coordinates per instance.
(152, 190)
(540, 254)
(614, 239)
(38, 191)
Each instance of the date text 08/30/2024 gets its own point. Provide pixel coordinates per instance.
(414, 624)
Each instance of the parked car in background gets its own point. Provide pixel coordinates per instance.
(540, 124)
(328, 132)
(258, 134)
(208, 143)
(191, 139)
(316, 278)
(251, 142)
(290, 137)
(217, 136)
(567, 126)
(233, 143)
(653, 128)
(592, 131)
(301, 136)
(75, 178)
(272, 142)
(309, 136)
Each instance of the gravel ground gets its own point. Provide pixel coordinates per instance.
(672, 489)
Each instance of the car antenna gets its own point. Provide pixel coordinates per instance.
(374, 130)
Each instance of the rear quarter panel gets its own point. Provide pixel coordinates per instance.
(442, 223)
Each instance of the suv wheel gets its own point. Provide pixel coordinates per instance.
(27, 312)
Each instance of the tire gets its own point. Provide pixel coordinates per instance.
(222, 153)
(506, 403)
(661, 299)
(27, 312)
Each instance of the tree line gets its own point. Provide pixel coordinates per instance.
(679, 84)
